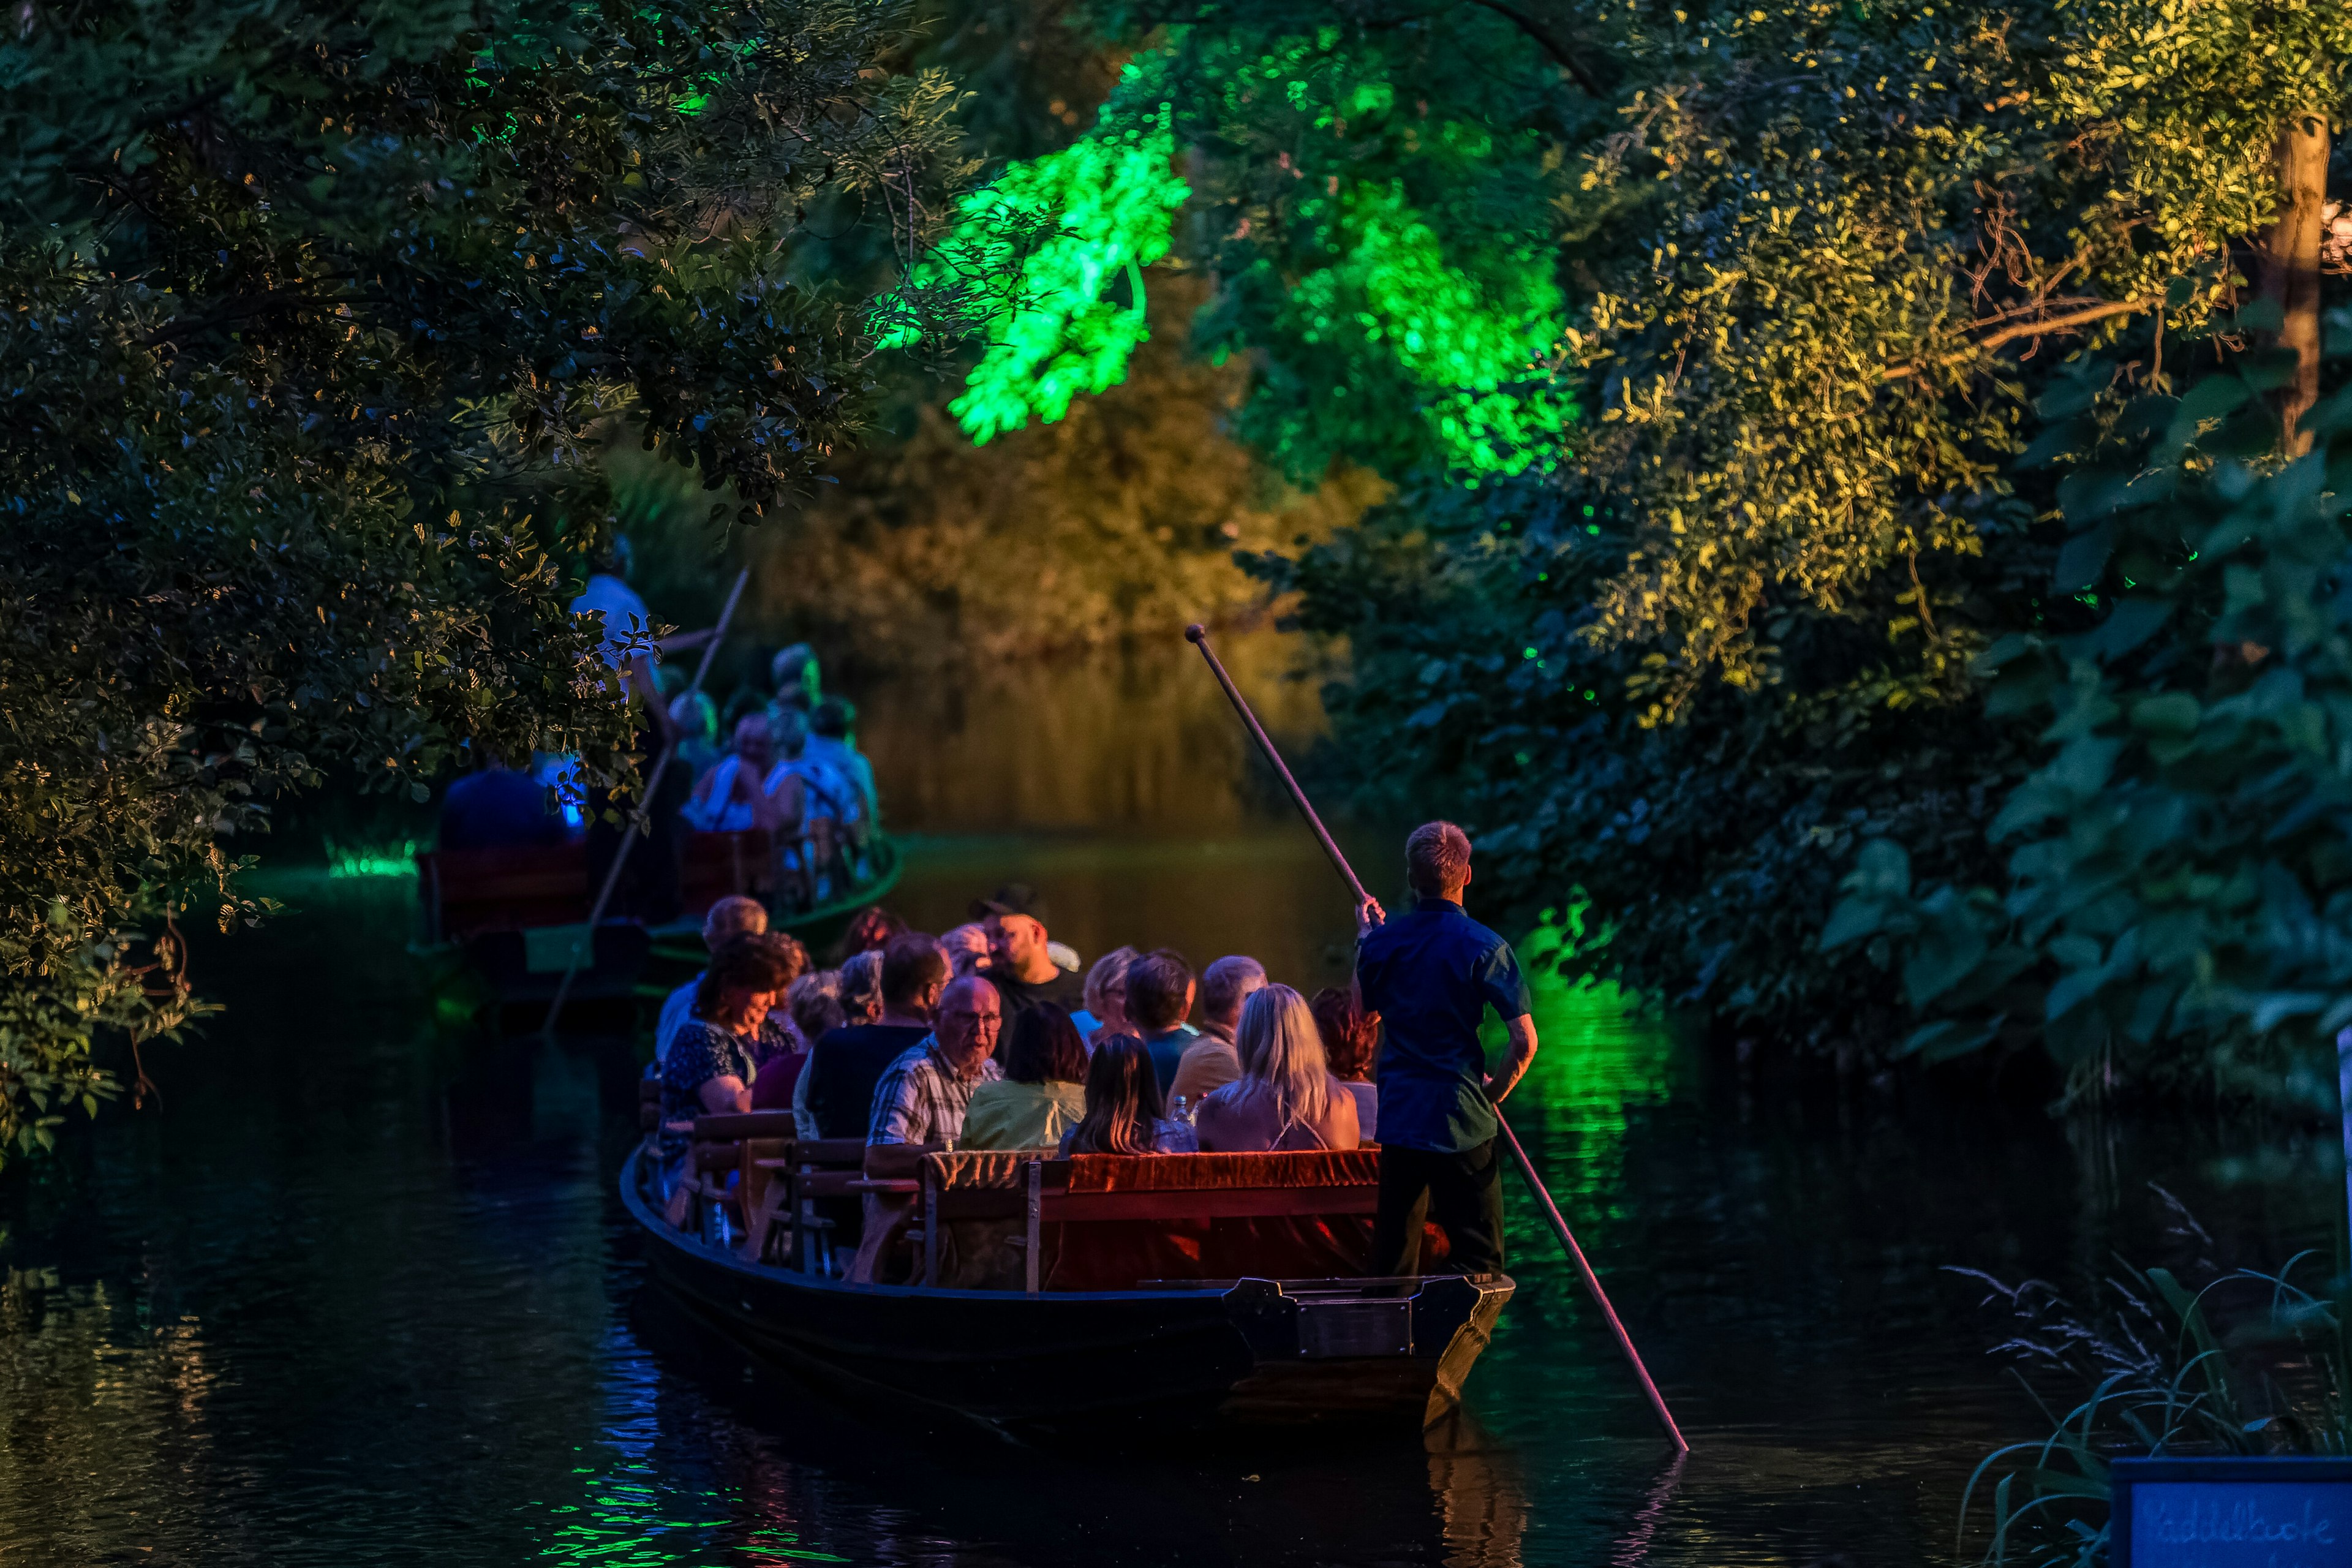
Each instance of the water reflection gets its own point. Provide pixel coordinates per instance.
(99, 1398)
(1136, 738)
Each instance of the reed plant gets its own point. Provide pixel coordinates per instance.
(2225, 1361)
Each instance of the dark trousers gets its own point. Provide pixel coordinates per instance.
(1462, 1193)
(648, 888)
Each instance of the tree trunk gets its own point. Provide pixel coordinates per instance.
(2290, 267)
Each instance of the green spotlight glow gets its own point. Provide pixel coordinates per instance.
(372, 862)
(1405, 336)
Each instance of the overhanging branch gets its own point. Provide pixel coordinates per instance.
(1551, 45)
(2038, 327)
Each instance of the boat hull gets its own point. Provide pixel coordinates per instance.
(1332, 1353)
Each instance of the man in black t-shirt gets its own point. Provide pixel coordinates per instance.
(834, 1096)
(1019, 965)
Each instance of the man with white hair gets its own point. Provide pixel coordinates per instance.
(923, 1096)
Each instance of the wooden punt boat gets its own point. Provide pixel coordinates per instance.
(515, 914)
(1343, 1352)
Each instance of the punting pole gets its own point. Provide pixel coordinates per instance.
(629, 837)
(1198, 638)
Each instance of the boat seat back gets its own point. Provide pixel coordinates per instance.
(1106, 1222)
(729, 1126)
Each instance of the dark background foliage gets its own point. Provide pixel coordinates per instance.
(308, 314)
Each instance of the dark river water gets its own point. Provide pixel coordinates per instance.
(359, 1289)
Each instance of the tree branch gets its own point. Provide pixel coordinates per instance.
(1551, 46)
(2038, 327)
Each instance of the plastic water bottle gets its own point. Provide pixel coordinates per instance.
(1179, 1113)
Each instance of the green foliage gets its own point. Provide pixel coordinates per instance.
(2180, 864)
(1809, 267)
(1395, 282)
(1060, 230)
(1119, 520)
(306, 314)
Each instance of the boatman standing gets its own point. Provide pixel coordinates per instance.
(1431, 974)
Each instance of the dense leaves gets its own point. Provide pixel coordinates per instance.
(2179, 866)
(1804, 268)
(306, 314)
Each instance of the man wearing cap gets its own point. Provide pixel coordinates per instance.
(1019, 964)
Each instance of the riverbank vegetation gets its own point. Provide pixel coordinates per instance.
(308, 312)
(1757, 388)
(2195, 1360)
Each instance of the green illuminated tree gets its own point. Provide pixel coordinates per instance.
(305, 313)
(1392, 272)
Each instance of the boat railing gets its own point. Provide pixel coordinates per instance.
(1104, 1222)
(751, 1183)
(1029, 1221)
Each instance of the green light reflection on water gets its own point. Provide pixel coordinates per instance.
(634, 1517)
(1601, 1054)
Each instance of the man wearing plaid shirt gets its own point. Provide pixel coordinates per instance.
(922, 1096)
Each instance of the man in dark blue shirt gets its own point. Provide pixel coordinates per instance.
(1431, 974)
(497, 807)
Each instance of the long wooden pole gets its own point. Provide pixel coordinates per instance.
(1198, 638)
(583, 949)
(1198, 635)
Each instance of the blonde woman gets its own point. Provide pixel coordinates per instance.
(1286, 1097)
(1106, 1009)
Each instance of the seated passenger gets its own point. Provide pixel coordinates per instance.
(1159, 990)
(1286, 1097)
(1021, 962)
(922, 1100)
(1043, 1092)
(731, 916)
(814, 1004)
(814, 808)
(1124, 1114)
(797, 681)
(717, 1054)
(861, 987)
(497, 807)
(1351, 1037)
(733, 797)
(923, 1095)
(1105, 992)
(1210, 1062)
(834, 1097)
(697, 716)
(832, 743)
(966, 948)
(811, 1008)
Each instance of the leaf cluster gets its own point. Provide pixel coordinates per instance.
(309, 313)
(2179, 864)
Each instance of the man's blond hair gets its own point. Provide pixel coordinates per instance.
(1437, 859)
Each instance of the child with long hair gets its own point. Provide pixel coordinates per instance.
(1124, 1113)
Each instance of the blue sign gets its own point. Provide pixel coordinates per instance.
(2232, 1514)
